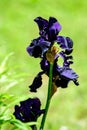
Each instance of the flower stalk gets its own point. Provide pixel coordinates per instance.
(48, 97)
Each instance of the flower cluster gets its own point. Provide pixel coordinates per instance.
(43, 47)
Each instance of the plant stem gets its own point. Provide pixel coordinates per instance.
(34, 127)
(48, 97)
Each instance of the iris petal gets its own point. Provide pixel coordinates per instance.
(38, 47)
(37, 82)
(42, 23)
(65, 43)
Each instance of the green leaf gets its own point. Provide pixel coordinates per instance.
(3, 66)
(19, 124)
(10, 101)
(4, 119)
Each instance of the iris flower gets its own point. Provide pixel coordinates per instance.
(29, 110)
(48, 31)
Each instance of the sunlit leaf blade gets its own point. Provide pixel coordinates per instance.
(21, 125)
(3, 66)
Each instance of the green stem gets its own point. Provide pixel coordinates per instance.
(34, 127)
(48, 97)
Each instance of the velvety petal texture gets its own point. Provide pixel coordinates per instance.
(38, 47)
(37, 82)
(62, 75)
(48, 29)
(66, 75)
(29, 110)
(65, 43)
(53, 29)
(42, 24)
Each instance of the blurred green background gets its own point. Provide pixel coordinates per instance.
(68, 110)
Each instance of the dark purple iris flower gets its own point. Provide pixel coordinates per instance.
(38, 47)
(48, 29)
(29, 110)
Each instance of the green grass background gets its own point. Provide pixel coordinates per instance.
(17, 28)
